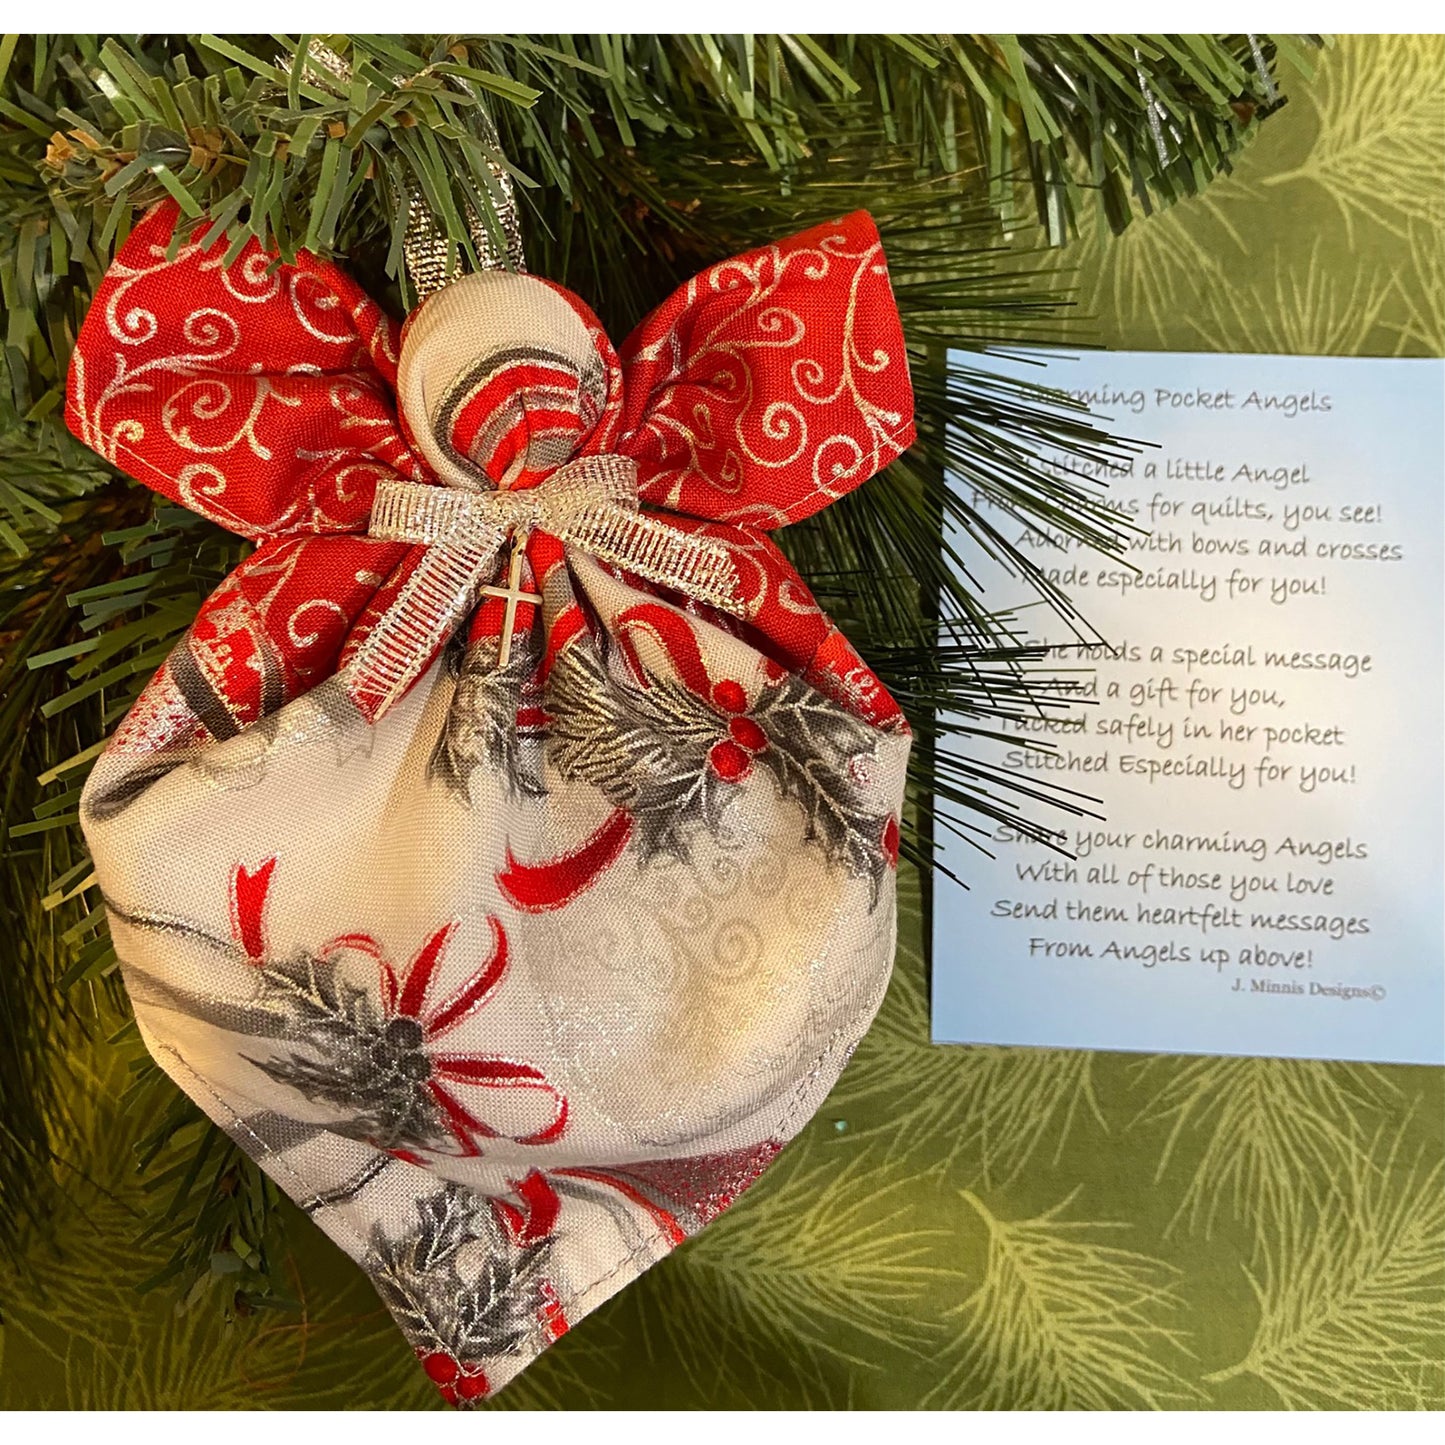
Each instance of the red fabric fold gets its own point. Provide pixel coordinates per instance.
(772, 383)
(264, 397)
(258, 394)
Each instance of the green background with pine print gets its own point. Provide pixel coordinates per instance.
(962, 1228)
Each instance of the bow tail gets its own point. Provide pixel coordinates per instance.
(648, 547)
(416, 624)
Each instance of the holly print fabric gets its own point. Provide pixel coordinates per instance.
(513, 909)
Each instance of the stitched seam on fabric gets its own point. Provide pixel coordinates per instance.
(647, 1244)
(529, 1345)
(317, 1202)
(883, 730)
(900, 440)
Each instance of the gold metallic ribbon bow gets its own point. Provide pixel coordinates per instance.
(590, 503)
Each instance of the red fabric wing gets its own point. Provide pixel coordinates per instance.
(771, 384)
(259, 395)
(262, 396)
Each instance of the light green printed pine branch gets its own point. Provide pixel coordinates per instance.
(775, 1288)
(1423, 331)
(1142, 273)
(1062, 1319)
(1352, 1300)
(1275, 1135)
(1378, 152)
(996, 1110)
(1316, 312)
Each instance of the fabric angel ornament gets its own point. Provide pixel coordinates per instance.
(505, 856)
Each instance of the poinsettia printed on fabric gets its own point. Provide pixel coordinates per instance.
(348, 1029)
(378, 1075)
(511, 889)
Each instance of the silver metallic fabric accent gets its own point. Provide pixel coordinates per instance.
(430, 261)
(1152, 110)
(1266, 80)
(427, 254)
(401, 646)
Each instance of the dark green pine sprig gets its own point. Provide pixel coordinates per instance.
(637, 160)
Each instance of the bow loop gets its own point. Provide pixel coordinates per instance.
(406, 512)
(590, 503)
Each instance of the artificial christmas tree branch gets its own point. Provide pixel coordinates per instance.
(637, 159)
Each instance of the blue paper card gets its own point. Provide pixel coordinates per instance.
(1265, 737)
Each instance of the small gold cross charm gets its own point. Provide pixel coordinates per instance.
(512, 593)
